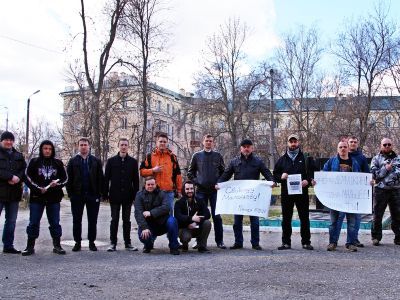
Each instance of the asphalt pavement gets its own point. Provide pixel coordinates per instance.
(370, 273)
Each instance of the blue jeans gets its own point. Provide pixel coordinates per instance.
(218, 229)
(356, 226)
(334, 229)
(11, 209)
(170, 227)
(170, 201)
(238, 230)
(35, 215)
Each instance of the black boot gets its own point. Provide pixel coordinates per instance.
(57, 246)
(30, 247)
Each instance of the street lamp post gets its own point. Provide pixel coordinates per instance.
(272, 135)
(28, 102)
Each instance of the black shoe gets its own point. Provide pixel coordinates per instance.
(203, 250)
(375, 242)
(185, 247)
(30, 247)
(129, 247)
(146, 250)
(92, 246)
(174, 251)
(256, 247)
(358, 244)
(112, 248)
(236, 246)
(396, 242)
(57, 249)
(77, 247)
(284, 247)
(11, 251)
(309, 247)
(221, 245)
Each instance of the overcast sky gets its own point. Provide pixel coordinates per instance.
(36, 36)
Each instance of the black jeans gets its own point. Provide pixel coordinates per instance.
(382, 199)
(92, 204)
(302, 205)
(218, 228)
(126, 221)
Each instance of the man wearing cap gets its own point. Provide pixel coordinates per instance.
(294, 162)
(12, 169)
(246, 166)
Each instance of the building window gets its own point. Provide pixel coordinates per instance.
(124, 102)
(124, 123)
(77, 106)
(148, 123)
(168, 109)
(179, 114)
(158, 105)
(388, 121)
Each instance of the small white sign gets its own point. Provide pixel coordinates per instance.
(294, 184)
(244, 197)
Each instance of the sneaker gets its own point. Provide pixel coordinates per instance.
(92, 246)
(375, 242)
(129, 247)
(308, 247)
(185, 247)
(358, 244)
(11, 250)
(351, 248)
(203, 250)
(146, 250)
(331, 247)
(256, 247)
(174, 251)
(284, 247)
(77, 247)
(221, 245)
(236, 246)
(194, 246)
(112, 248)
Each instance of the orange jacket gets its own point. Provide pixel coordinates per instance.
(170, 178)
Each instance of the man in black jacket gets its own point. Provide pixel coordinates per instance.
(294, 162)
(84, 188)
(12, 168)
(204, 170)
(152, 217)
(193, 219)
(247, 166)
(45, 177)
(121, 186)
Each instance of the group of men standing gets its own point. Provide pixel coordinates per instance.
(155, 210)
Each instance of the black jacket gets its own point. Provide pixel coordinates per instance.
(245, 169)
(96, 176)
(121, 179)
(298, 166)
(154, 202)
(10, 165)
(204, 170)
(183, 211)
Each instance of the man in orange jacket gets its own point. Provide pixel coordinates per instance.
(163, 165)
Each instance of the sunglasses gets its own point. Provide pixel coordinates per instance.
(386, 145)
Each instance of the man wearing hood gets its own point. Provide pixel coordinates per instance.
(45, 177)
(84, 187)
(12, 168)
(163, 165)
(294, 162)
(193, 218)
(385, 169)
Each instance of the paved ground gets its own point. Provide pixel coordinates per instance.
(371, 273)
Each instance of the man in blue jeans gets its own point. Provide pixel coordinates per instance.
(205, 168)
(12, 168)
(153, 218)
(246, 166)
(342, 162)
(45, 177)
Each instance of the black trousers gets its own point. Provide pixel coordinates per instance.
(126, 221)
(78, 204)
(303, 209)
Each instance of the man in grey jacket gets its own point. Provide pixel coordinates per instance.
(385, 169)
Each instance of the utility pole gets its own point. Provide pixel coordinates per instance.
(28, 103)
(272, 135)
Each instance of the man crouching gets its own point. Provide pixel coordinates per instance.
(152, 217)
(193, 219)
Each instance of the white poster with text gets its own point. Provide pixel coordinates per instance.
(345, 191)
(244, 197)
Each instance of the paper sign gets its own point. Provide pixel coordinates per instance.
(294, 184)
(349, 192)
(244, 197)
